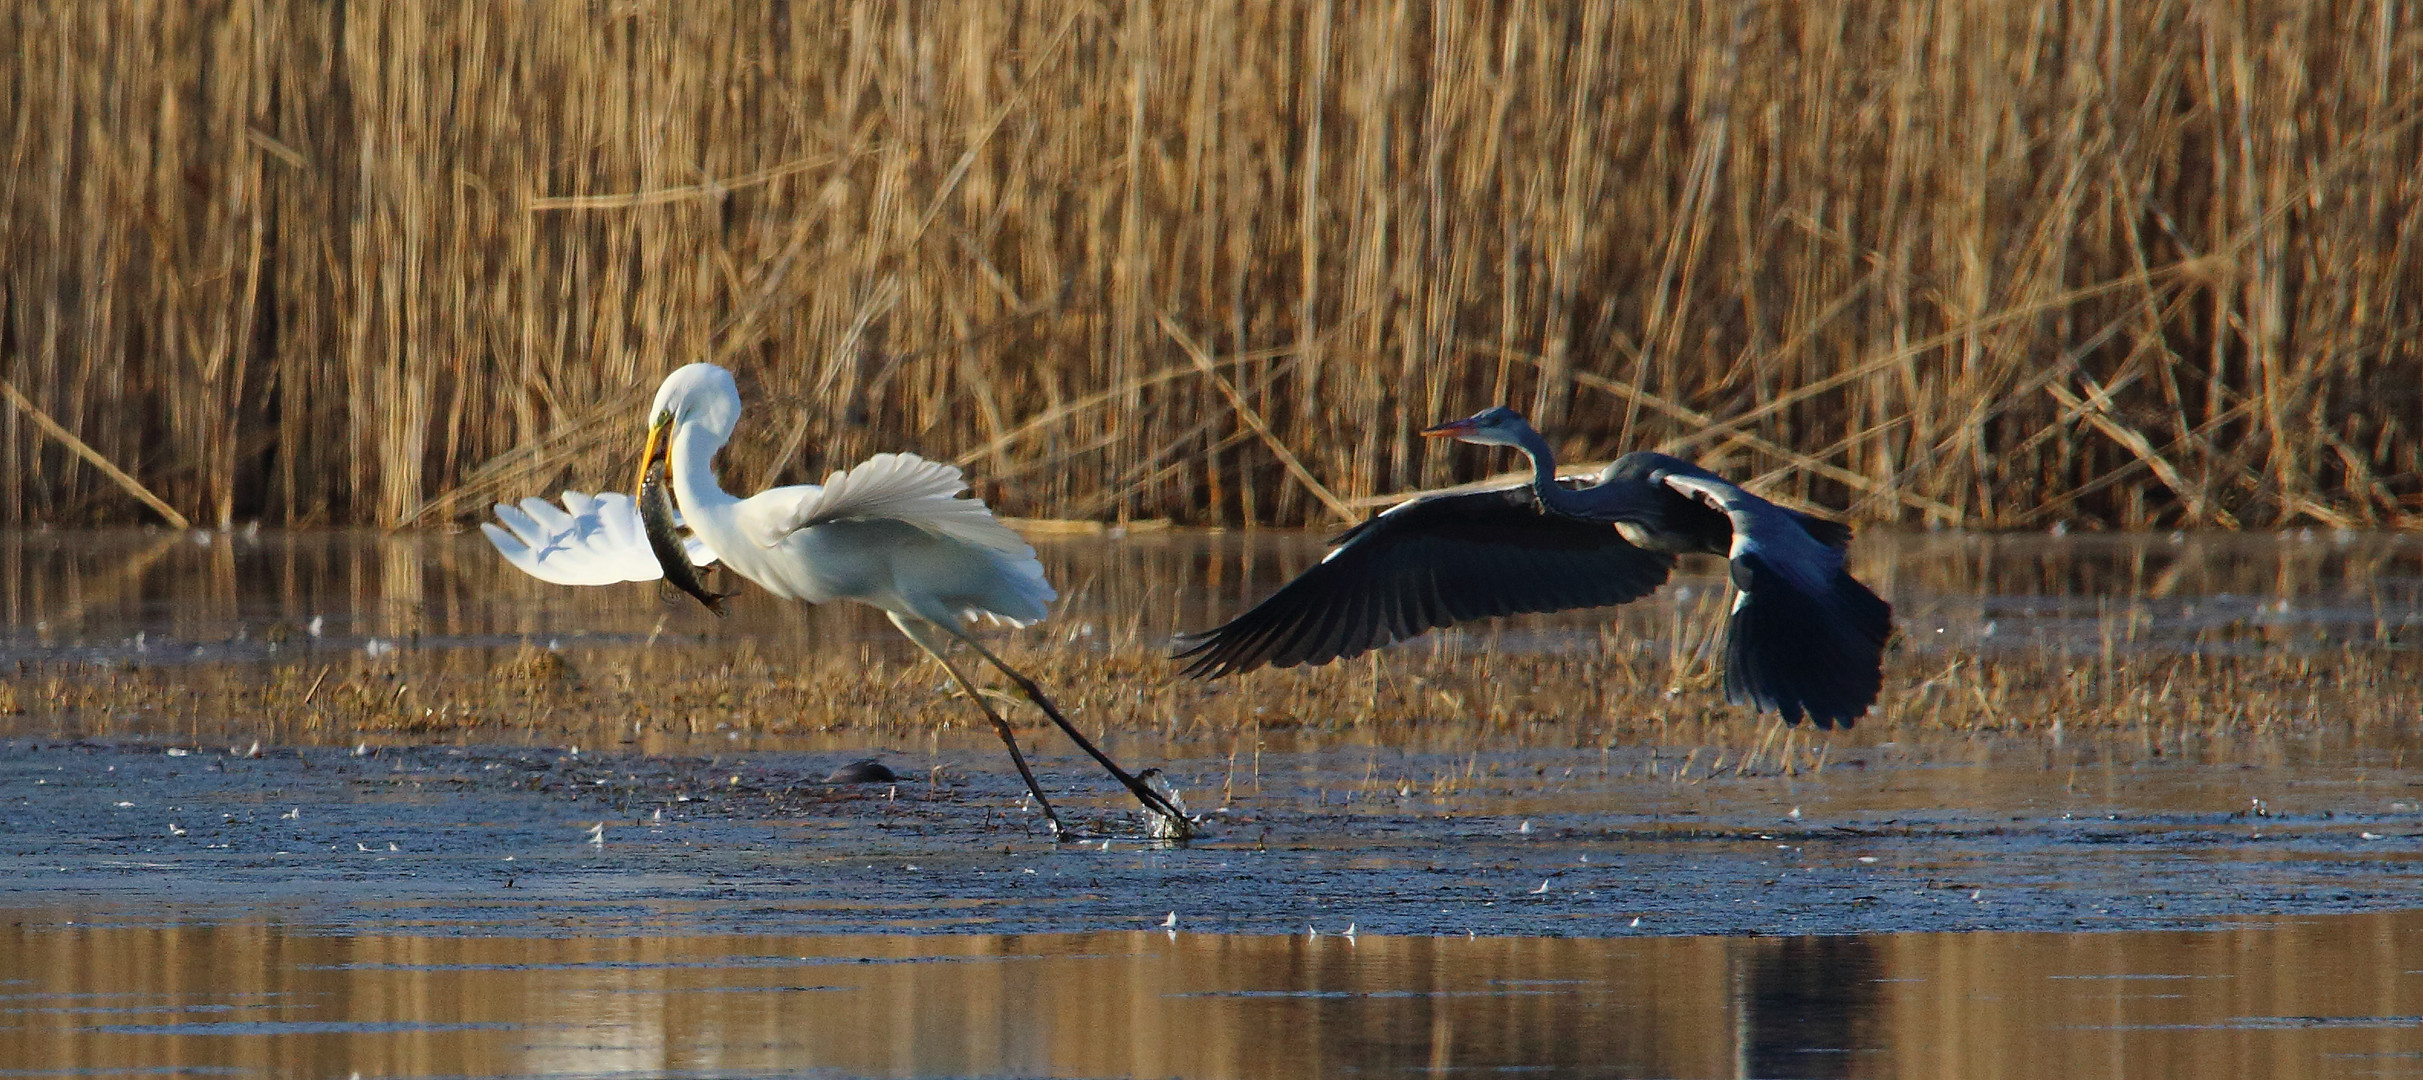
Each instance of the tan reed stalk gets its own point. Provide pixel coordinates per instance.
(1951, 261)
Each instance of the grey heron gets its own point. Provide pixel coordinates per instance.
(1803, 639)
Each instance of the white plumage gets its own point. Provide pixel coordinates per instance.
(589, 540)
(894, 532)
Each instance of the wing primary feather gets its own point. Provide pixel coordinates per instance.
(1803, 654)
(1433, 562)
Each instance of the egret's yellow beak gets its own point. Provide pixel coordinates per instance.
(647, 457)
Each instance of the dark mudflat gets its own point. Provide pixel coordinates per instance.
(513, 840)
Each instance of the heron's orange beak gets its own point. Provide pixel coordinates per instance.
(1448, 430)
(647, 457)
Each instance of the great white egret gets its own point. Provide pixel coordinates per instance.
(891, 533)
(1803, 638)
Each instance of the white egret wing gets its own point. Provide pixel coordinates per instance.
(924, 495)
(589, 540)
(904, 487)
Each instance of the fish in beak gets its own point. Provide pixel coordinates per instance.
(656, 518)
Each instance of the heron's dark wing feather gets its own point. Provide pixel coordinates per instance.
(1424, 564)
(1805, 639)
(1803, 652)
(1833, 534)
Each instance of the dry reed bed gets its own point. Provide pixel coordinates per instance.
(1955, 261)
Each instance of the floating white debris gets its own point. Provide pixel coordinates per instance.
(124, 805)
(1867, 858)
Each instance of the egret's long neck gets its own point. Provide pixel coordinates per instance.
(1552, 495)
(691, 463)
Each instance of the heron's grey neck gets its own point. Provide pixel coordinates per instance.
(1551, 494)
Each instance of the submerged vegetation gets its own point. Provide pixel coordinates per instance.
(1946, 261)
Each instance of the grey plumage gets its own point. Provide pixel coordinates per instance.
(1431, 562)
(1803, 640)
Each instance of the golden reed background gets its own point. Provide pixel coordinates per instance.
(1961, 261)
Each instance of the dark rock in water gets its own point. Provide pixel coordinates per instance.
(863, 771)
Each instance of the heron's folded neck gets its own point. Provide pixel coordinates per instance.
(1551, 494)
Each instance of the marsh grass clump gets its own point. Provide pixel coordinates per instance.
(541, 669)
(1418, 699)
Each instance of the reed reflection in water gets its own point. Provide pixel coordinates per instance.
(2285, 999)
(160, 597)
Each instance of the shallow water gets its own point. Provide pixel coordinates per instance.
(164, 995)
(158, 597)
(1972, 906)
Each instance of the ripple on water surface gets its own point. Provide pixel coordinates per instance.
(2286, 999)
(161, 597)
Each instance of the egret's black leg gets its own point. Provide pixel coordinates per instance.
(1009, 738)
(1143, 792)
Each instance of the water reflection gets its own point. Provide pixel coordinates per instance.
(2286, 999)
(1807, 1004)
(156, 597)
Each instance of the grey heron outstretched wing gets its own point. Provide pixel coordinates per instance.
(1428, 563)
